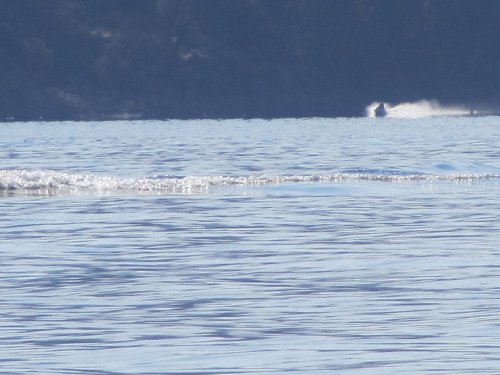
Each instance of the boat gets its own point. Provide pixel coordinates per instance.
(380, 111)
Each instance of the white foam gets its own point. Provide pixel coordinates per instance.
(419, 109)
(52, 182)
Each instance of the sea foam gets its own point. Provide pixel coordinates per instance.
(46, 182)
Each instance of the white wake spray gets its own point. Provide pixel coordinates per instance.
(45, 182)
(420, 109)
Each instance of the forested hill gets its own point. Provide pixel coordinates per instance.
(103, 59)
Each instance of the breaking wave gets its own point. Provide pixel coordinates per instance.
(45, 182)
(419, 109)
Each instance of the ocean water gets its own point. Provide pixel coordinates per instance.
(304, 246)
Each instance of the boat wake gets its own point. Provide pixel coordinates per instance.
(420, 109)
(46, 182)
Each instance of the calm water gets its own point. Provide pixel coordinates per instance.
(318, 246)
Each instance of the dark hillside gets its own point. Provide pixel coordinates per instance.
(100, 59)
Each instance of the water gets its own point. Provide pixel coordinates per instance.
(316, 246)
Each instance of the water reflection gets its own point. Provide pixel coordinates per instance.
(252, 283)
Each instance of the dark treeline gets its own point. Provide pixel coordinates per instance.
(99, 59)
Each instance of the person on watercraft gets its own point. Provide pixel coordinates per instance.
(380, 111)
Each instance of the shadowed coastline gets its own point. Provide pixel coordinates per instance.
(155, 59)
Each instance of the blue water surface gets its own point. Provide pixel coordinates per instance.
(364, 275)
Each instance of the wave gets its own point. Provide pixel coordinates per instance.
(46, 182)
(419, 109)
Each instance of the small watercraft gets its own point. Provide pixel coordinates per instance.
(380, 111)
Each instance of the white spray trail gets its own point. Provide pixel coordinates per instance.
(420, 109)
